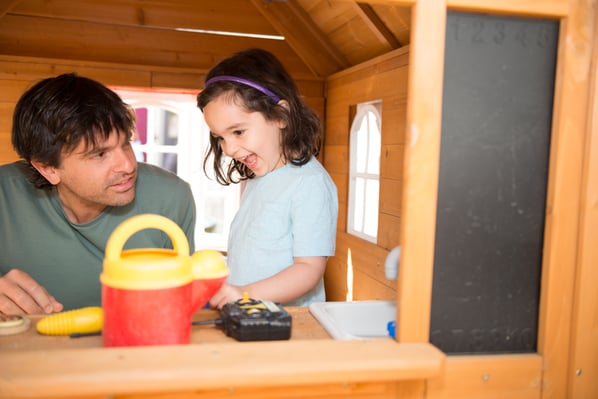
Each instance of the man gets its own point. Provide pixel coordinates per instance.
(77, 181)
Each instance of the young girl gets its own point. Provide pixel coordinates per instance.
(286, 225)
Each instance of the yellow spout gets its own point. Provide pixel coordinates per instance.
(84, 320)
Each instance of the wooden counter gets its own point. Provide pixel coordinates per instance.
(310, 364)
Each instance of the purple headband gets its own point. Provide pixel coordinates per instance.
(245, 82)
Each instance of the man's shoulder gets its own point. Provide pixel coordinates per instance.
(155, 174)
(17, 168)
(18, 171)
(154, 178)
(146, 169)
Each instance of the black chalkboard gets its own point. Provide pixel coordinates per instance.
(496, 121)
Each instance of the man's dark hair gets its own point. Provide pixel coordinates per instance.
(56, 114)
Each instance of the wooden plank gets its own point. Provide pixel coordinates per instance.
(303, 36)
(397, 18)
(488, 377)
(6, 110)
(342, 23)
(390, 61)
(11, 90)
(31, 69)
(420, 171)
(385, 80)
(6, 6)
(189, 80)
(364, 256)
(335, 280)
(305, 327)
(210, 15)
(337, 159)
(34, 68)
(383, 390)
(136, 370)
(390, 196)
(583, 360)
(19, 35)
(342, 217)
(542, 8)
(365, 287)
(561, 233)
(394, 110)
(389, 230)
(357, 269)
(7, 154)
(391, 162)
(377, 26)
(337, 126)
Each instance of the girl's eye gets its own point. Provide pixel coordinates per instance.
(238, 132)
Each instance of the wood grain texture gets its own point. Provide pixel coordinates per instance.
(583, 360)
(215, 364)
(489, 377)
(561, 239)
(420, 174)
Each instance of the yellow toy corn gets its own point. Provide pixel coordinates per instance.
(84, 320)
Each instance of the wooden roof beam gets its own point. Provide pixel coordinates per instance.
(378, 27)
(6, 6)
(303, 36)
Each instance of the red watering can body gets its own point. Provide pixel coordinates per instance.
(150, 295)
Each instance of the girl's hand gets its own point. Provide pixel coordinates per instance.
(227, 293)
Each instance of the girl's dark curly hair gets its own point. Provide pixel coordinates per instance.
(301, 139)
(56, 114)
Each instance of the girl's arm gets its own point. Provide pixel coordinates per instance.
(285, 286)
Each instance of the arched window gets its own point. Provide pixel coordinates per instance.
(364, 172)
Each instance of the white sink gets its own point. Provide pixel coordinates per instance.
(355, 320)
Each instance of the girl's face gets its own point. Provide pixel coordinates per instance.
(245, 136)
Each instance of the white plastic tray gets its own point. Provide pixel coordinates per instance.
(355, 320)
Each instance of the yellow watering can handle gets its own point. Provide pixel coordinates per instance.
(126, 229)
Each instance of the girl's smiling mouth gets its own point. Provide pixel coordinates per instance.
(250, 161)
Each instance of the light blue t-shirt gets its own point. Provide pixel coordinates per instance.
(289, 212)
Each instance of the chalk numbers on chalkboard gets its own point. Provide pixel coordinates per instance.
(478, 31)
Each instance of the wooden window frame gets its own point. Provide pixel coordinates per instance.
(374, 107)
(567, 248)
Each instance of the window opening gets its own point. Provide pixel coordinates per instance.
(364, 171)
(172, 134)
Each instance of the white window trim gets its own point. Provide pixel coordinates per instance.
(362, 110)
(190, 149)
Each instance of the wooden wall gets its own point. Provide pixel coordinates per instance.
(19, 73)
(385, 79)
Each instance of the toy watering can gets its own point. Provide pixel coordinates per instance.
(150, 295)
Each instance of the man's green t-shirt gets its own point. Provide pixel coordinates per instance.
(66, 258)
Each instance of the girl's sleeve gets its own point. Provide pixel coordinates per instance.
(314, 214)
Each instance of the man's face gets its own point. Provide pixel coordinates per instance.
(91, 178)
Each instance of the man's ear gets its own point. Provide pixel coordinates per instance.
(49, 172)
